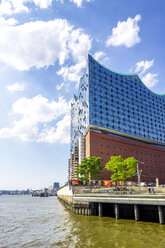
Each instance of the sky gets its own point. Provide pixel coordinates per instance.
(43, 51)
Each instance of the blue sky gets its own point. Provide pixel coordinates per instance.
(43, 50)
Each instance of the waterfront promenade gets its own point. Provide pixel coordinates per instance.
(131, 204)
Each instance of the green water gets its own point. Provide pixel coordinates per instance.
(109, 232)
(29, 222)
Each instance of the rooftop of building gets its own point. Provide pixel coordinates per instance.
(123, 74)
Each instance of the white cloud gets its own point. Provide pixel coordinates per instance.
(10, 7)
(150, 79)
(16, 87)
(60, 86)
(126, 33)
(5, 23)
(79, 3)
(60, 133)
(36, 117)
(142, 66)
(42, 3)
(21, 46)
(79, 44)
(99, 55)
(102, 57)
(72, 73)
(40, 109)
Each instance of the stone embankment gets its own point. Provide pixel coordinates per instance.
(66, 196)
(105, 202)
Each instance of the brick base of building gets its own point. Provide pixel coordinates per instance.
(105, 146)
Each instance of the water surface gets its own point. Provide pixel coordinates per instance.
(31, 222)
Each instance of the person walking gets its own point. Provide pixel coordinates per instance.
(153, 191)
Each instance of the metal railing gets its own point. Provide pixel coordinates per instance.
(82, 190)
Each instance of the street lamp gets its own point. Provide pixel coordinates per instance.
(139, 172)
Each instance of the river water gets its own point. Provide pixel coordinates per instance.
(27, 222)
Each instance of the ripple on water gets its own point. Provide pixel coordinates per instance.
(31, 222)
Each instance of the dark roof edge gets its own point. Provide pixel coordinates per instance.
(129, 136)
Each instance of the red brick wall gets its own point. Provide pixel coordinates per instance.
(87, 145)
(105, 146)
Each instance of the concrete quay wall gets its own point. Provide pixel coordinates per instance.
(138, 207)
(157, 200)
(66, 197)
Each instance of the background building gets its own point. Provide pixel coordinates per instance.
(116, 114)
(56, 185)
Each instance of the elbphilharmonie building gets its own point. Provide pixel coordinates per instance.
(116, 114)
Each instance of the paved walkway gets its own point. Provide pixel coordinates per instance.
(112, 191)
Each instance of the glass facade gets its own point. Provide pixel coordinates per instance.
(119, 102)
(80, 112)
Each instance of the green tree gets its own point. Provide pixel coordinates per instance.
(120, 168)
(90, 168)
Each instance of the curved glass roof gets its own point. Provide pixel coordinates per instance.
(126, 74)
